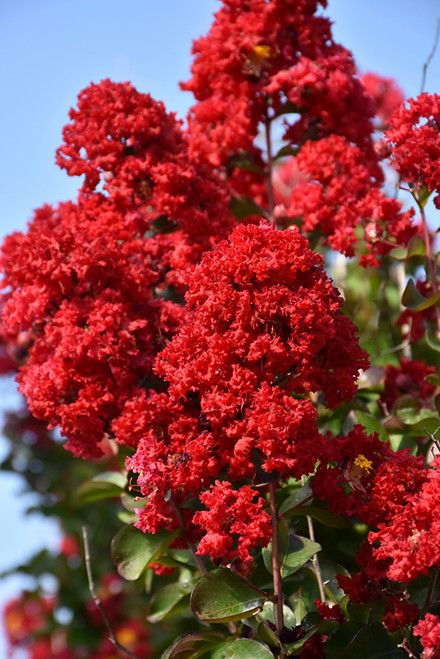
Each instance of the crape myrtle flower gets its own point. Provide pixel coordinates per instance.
(91, 283)
(428, 629)
(257, 57)
(264, 330)
(410, 538)
(234, 522)
(415, 142)
(336, 194)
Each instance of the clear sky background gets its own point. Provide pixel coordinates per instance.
(51, 49)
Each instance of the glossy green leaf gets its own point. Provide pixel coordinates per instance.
(416, 246)
(412, 299)
(297, 498)
(286, 150)
(132, 551)
(432, 338)
(169, 600)
(299, 550)
(191, 646)
(321, 514)
(223, 595)
(351, 641)
(371, 425)
(107, 485)
(244, 161)
(423, 196)
(244, 648)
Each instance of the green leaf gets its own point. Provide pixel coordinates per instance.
(169, 600)
(416, 246)
(286, 150)
(412, 299)
(107, 485)
(244, 648)
(132, 551)
(194, 645)
(321, 514)
(298, 497)
(350, 641)
(432, 337)
(223, 595)
(299, 550)
(371, 425)
(423, 195)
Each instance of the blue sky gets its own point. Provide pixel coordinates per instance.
(51, 49)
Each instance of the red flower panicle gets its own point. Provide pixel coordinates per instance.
(265, 323)
(89, 281)
(259, 57)
(414, 134)
(429, 631)
(234, 522)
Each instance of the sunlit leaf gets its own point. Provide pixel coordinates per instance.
(194, 645)
(132, 551)
(107, 485)
(299, 550)
(223, 595)
(169, 600)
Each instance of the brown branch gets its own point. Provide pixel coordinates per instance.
(430, 56)
(96, 599)
(277, 580)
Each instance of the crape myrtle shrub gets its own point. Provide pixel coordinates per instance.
(241, 453)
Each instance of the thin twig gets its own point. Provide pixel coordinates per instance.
(96, 599)
(430, 56)
(269, 169)
(277, 580)
(315, 560)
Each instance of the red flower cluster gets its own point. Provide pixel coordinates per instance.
(429, 631)
(337, 194)
(265, 324)
(89, 281)
(234, 522)
(415, 142)
(410, 538)
(257, 57)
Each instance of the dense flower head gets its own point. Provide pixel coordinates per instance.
(89, 288)
(263, 311)
(346, 470)
(410, 538)
(428, 629)
(335, 194)
(234, 522)
(415, 142)
(265, 328)
(257, 57)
